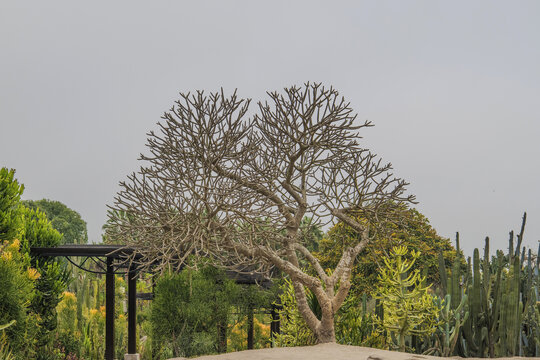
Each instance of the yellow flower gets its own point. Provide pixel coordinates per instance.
(16, 244)
(33, 274)
(7, 256)
(69, 295)
(93, 312)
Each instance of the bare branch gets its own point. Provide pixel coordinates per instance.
(216, 183)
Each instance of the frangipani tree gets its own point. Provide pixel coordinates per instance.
(221, 183)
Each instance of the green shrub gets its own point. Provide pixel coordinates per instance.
(31, 228)
(293, 329)
(187, 309)
(16, 294)
(68, 332)
(356, 324)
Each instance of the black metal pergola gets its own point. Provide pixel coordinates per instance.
(109, 260)
(115, 259)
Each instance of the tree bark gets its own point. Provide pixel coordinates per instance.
(326, 332)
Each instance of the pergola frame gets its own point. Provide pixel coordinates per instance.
(119, 259)
(116, 262)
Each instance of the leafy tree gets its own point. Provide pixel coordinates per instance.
(414, 231)
(216, 183)
(66, 221)
(11, 222)
(38, 232)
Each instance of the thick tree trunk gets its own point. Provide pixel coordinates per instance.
(325, 333)
(323, 329)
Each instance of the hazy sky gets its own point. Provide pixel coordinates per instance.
(453, 88)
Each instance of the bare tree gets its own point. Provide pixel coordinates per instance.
(221, 183)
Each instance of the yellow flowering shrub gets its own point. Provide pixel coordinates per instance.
(16, 293)
(237, 339)
(67, 315)
(32, 274)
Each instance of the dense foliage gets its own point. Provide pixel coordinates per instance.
(11, 221)
(293, 329)
(411, 291)
(66, 221)
(203, 312)
(414, 231)
(17, 280)
(81, 319)
(26, 228)
(488, 308)
(189, 309)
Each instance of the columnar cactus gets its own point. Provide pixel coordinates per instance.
(501, 296)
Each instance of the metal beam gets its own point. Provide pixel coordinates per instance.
(110, 251)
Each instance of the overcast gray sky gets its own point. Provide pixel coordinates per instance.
(453, 88)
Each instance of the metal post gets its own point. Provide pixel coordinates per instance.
(250, 328)
(132, 310)
(274, 325)
(109, 310)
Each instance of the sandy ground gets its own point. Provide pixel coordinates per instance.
(321, 352)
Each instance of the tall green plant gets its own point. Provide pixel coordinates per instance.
(293, 329)
(502, 302)
(409, 308)
(450, 322)
(16, 293)
(356, 325)
(68, 325)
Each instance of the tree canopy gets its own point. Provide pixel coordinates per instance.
(220, 183)
(68, 222)
(414, 231)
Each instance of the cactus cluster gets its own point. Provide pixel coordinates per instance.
(490, 306)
